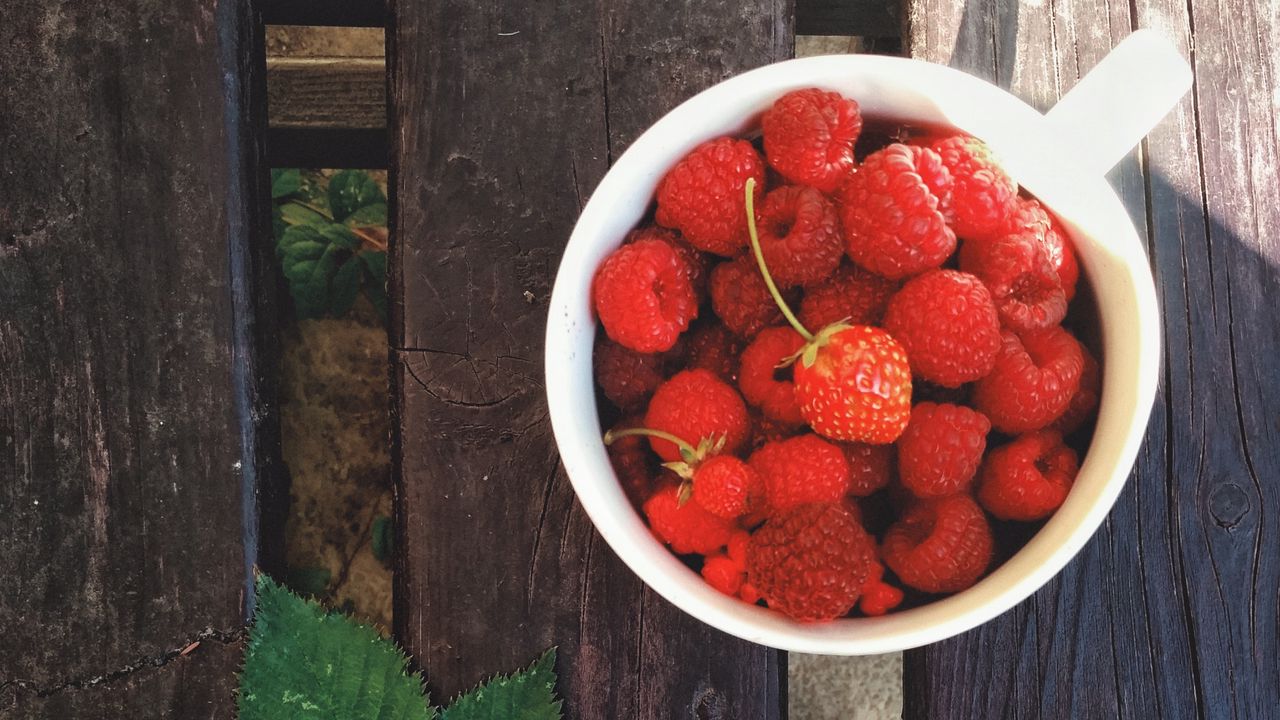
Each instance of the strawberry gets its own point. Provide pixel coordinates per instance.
(722, 485)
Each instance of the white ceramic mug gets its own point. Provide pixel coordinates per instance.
(1060, 157)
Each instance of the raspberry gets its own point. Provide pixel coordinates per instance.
(1035, 376)
(852, 294)
(687, 527)
(695, 262)
(712, 347)
(870, 467)
(724, 574)
(982, 194)
(758, 381)
(696, 405)
(800, 470)
(1028, 478)
(630, 459)
(799, 236)
(878, 597)
(857, 387)
(809, 136)
(702, 195)
(627, 377)
(948, 325)
(740, 298)
(725, 486)
(767, 430)
(811, 562)
(941, 449)
(1029, 214)
(1085, 401)
(643, 296)
(940, 546)
(892, 210)
(1016, 270)
(738, 547)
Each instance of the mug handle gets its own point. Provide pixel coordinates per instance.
(1122, 99)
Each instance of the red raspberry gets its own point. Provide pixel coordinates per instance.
(625, 376)
(643, 296)
(982, 194)
(870, 467)
(809, 136)
(767, 430)
(940, 546)
(1031, 215)
(702, 195)
(799, 236)
(630, 459)
(724, 574)
(878, 597)
(948, 325)
(1085, 401)
(758, 380)
(740, 298)
(852, 294)
(1028, 478)
(893, 218)
(1015, 269)
(686, 527)
(738, 547)
(695, 262)
(941, 449)
(712, 347)
(857, 387)
(726, 486)
(811, 562)
(748, 593)
(695, 405)
(1035, 376)
(800, 470)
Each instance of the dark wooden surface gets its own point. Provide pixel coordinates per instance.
(504, 119)
(1171, 610)
(133, 404)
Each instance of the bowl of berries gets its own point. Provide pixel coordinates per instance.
(850, 354)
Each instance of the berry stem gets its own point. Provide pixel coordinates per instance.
(764, 269)
(685, 448)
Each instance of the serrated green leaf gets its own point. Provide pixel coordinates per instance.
(285, 183)
(383, 538)
(374, 215)
(351, 190)
(345, 287)
(295, 214)
(526, 695)
(303, 663)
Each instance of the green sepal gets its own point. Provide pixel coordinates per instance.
(683, 469)
(684, 494)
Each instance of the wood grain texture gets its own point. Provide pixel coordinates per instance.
(133, 397)
(1170, 611)
(504, 120)
(327, 92)
(859, 18)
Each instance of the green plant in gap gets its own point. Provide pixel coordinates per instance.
(303, 662)
(331, 239)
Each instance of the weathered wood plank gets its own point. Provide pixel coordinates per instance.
(327, 92)
(860, 18)
(504, 119)
(335, 13)
(1170, 610)
(133, 398)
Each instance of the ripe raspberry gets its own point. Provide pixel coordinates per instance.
(726, 486)
(800, 470)
(740, 298)
(695, 262)
(982, 194)
(1028, 478)
(629, 457)
(693, 405)
(948, 325)
(759, 381)
(941, 449)
(893, 218)
(712, 347)
(809, 136)
(1035, 376)
(870, 467)
(643, 296)
(1015, 269)
(852, 294)
(724, 574)
(738, 547)
(858, 386)
(766, 430)
(811, 562)
(748, 593)
(1085, 401)
(878, 597)
(687, 527)
(799, 236)
(625, 376)
(702, 195)
(940, 546)
(1030, 215)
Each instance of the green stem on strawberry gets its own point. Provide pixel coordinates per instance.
(764, 269)
(685, 448)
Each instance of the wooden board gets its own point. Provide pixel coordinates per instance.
(1170, 611)
(134, 414)
(504, 120)
(336, 92)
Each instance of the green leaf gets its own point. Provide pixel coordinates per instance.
(303, 663)
(526, 695)
(311, 581)
(383, 538)
(295, 214)
(285, 183)
(345, 287)
(351, 190)
(368, 216)
(375, 287)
